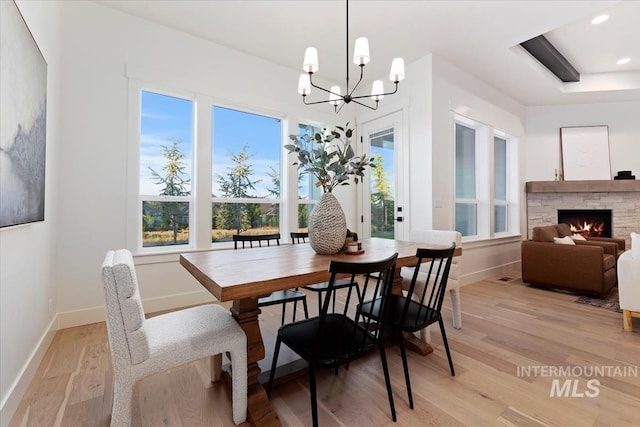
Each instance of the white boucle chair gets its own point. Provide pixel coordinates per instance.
(629, 282)
(141, 347)
(439, 237)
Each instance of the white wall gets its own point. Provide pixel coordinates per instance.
(27, 286)
(542, 152)
(101, 46)
(432, 91)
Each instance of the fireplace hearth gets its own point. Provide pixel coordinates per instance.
(587, 222)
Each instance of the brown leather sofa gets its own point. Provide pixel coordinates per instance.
(588, 267)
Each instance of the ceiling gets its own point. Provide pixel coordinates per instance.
(481, 37)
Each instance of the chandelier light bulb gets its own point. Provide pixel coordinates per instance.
(310, 64)
(335, 97)
(361, 51)
(304, 85)
(397, 70)
(377, 90)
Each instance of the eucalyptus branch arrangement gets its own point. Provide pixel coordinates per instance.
(329, 157)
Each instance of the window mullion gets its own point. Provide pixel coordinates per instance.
(202, 171)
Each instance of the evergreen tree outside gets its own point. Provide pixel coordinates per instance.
(382, 203)
(173, 216)
(237, 183)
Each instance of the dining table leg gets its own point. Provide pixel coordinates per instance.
(411, 342)
(260, 411)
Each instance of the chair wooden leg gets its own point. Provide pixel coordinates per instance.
(314, 397)
(456, 311)
(216, 367)
(274, 364)
(627, 320)
(306, 310)
(284, 310)
(446, 346)
(405, 366)
(387, 380)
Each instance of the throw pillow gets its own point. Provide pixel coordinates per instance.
(566, 240)
(577, 237)
(635, 245)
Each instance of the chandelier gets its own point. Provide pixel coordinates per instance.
(360, 58)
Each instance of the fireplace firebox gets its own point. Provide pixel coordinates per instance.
(587, 222)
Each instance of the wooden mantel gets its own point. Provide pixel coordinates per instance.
(609, 186)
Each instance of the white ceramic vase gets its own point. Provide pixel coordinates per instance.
(327, 226)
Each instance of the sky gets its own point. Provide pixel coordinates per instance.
(165, 119)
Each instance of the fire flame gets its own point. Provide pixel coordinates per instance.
(587, 229)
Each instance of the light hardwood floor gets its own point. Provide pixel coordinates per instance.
(507, 327)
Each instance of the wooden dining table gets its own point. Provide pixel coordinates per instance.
(242, 276)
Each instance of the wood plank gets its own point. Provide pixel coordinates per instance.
(506, 326)
(595, 186)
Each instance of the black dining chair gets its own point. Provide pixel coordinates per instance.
(279, 297)
(331, 339)
(420, 305)
(319, 288)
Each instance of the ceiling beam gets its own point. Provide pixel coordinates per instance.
(542, 50)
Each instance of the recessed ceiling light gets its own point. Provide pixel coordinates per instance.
(623, 61)
(599, 19)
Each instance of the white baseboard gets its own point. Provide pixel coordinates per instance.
(489, 273)
(17, 390)
(86, 316)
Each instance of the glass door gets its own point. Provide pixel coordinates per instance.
(383, 213)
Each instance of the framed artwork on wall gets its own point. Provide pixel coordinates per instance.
(23, 102)
(585, 153)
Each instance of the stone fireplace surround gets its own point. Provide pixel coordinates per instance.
(544, 198)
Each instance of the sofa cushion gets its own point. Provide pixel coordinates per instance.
(608, 261)
(544, 234)
(566, 240)
(563, 230)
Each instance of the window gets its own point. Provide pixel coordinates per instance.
(246, 174)
(195, 189)
(466, 211)
(166, 158)
(500, 182)
(308, 192)
(485, 168)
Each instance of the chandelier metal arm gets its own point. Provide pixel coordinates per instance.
(382, 94)
(321, 88)
(365, 105)
(304, 100)
(357, 84)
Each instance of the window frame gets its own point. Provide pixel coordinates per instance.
(200, 198)
(241, 200)
(486, 201)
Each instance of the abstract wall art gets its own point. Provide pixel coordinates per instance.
(23, 108)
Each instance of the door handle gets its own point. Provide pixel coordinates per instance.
(399, 219)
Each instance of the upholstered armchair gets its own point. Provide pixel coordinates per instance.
(552, 258)
(629, 282)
